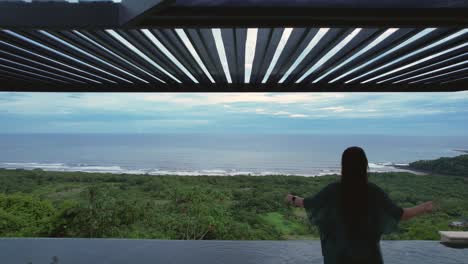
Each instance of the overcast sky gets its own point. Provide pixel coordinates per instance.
(313, 113)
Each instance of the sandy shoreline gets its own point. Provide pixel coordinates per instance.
(218, 173)
(411, 170)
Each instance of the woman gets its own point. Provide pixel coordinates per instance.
(353, 214)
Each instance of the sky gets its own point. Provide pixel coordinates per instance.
(424, 114)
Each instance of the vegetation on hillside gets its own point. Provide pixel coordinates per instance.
(74, 204)
(446, 166)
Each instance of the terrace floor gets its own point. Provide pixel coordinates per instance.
(73, 251)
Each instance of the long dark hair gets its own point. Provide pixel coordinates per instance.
(354, 167)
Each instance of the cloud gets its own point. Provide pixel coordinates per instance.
(210, 106)
(281, 113)
(233, 112)
(298, 115)
(336, 109)
(75, 95)
(463, 95)
(235, 98)
(12, 97)
(262, 111)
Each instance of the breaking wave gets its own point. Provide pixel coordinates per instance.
(116, 169)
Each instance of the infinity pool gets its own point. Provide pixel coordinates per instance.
(103, 251)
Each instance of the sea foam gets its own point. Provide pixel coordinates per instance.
(116, 169)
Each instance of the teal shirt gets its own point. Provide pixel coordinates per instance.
(325, 211)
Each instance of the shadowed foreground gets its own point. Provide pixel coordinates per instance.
(73, 251)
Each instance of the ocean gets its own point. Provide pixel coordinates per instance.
(216, 154)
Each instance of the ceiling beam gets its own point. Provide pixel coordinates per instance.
(14, 86)
(306, 17)
(133, 12)
(58, 15)
(164, 13)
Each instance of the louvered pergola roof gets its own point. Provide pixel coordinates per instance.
(143, 46)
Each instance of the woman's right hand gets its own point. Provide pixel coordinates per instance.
(428, 206)
(420, 209)
(288, 198)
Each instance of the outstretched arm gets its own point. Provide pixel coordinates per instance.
(295, 200)
(423, 208)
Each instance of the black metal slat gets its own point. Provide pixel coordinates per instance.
(27, 46)
(360, 41)
(20, 78)
(421, 55)
(174, 44)
(328, 41)
(171, 41)
(454, 73)
(140, 41)
(230, 48)
(451, 60)
(432, 51)
(13, 61)
(29, 70)
(104, 55)
(442, 58)
(201, 48)
(428, 66)
(46, 41)
(165, 61)
(298, 41)
(205, 44)
(241, 41)
(123, 49)
(89, 47)
(387, 45)
(443, 79)
(194, 36)
(267, 41)
(23, 72)
(343, 53)
(421, 42)
(5, 77)
(44, 66)
(62, 70)
(111, 43)
(32, 52)
(104, 65)
(363, 58)
(50, 43)
(385, 59)
(463, 80)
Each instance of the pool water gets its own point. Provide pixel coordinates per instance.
(120, 251)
